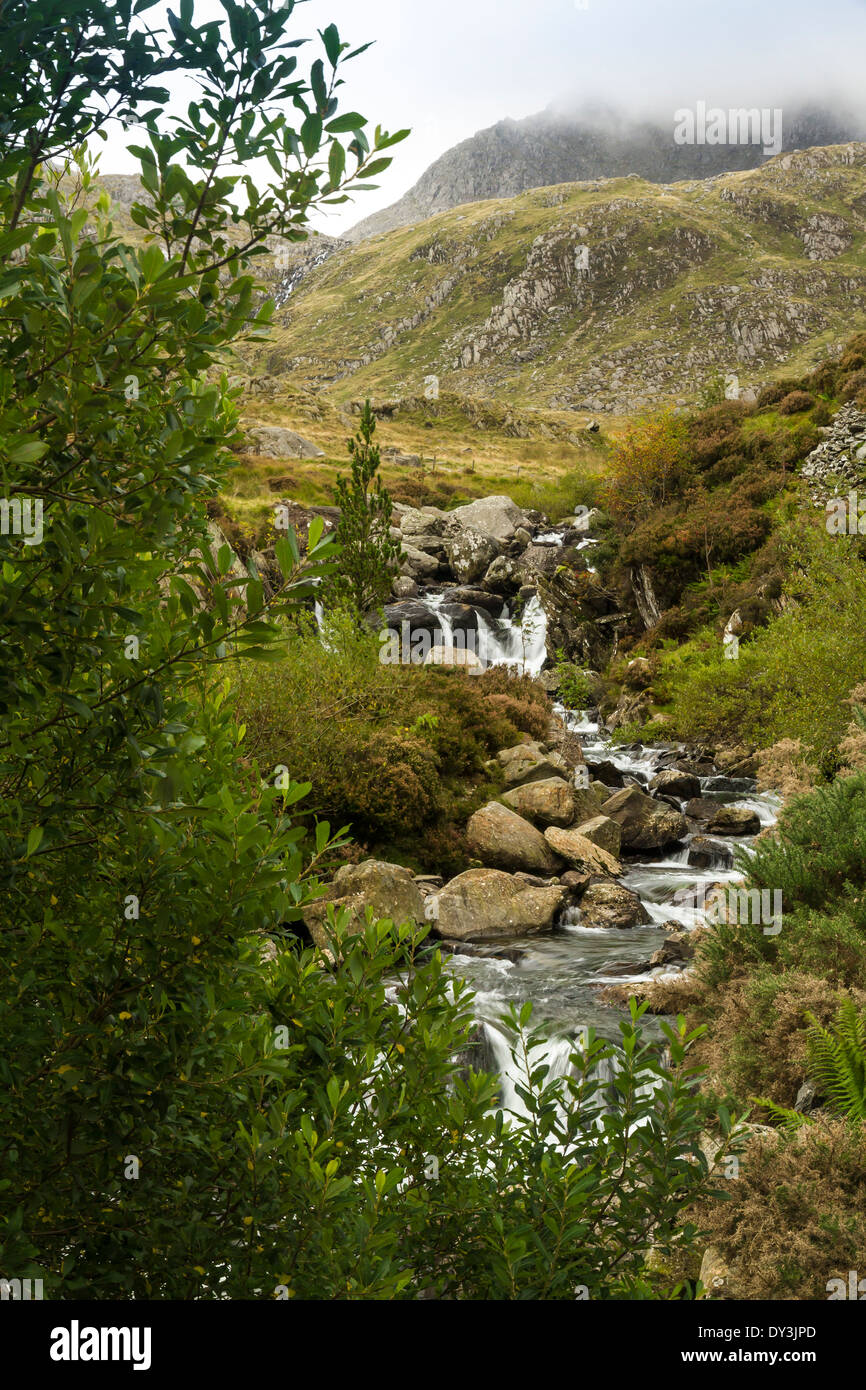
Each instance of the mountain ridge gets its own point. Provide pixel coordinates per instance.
(549, 147)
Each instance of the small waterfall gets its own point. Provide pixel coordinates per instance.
(505, 642)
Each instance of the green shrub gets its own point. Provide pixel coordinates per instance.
(792, 676)
(389, 749)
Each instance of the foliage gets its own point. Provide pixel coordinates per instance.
(793, 676)
(796, 1216)
(837, 1058)
(648, 465)
(368, 555)
(141, 859)
(405, 745)
(574, 688)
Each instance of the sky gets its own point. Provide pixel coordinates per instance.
(447, 68)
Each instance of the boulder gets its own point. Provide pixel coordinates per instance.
(734, 820)
(645, 823)
(530, 762)
(275, 442)
(580, 853)
(388, 889)
(429, 521)
(460, 616)
(604, 832)
(417, 615)
(417, 565)
(547, 802)
(504, 840)
(487, 902)
(502, 577)
(404, 587)
(497, 517)
(477, 598)
(679, 946)
(701, 808)
(679, 784)
(605, 771)
(611, 905)
(709, 854)
(588, 801)
(470, 554)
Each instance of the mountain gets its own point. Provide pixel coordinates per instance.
(597, 142)
(606, 295)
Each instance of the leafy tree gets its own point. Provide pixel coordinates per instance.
(648, 466)
(368, 555)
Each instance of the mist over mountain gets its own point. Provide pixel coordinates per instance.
(593, 141)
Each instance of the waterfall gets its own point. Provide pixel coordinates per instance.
(505, 642)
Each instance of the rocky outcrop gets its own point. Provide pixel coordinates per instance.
(487, 902)
(839, 461)
(275, 442)
(502, 839)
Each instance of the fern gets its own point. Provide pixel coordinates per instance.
(791, 1120)
(838, 1060)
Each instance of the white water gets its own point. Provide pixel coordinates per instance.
(504, 641)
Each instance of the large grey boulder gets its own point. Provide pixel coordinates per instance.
(645, 823)
(580, 853)
(530, 762)
(487, 902)
(546, 802)
(470, 554)
(504, 840)
(275, 442)
(388, 889)
(497, 517)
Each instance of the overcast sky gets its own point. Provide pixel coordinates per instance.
(450, 67)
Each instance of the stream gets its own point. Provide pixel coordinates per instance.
(563, 973)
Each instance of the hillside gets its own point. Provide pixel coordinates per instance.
(551, 147)
(748, 273)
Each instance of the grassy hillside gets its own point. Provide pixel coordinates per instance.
(748, 272)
